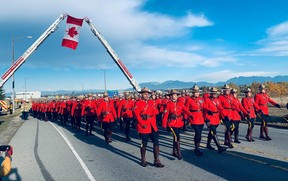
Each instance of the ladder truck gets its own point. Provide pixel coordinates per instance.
(20, 61)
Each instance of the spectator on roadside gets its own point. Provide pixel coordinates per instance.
(6, 164)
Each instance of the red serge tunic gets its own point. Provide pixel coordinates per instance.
(89, 108)
(213, 105)
(173, 114)
(248, 104)
(226, 102)
(76, 109)
(195, 106)
(125, 108)
(261, 103)
(106, 112)
(145, 109)
(237, 107)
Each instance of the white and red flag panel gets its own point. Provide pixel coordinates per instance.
(71, 35)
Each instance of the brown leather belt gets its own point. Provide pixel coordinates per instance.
(195, 110)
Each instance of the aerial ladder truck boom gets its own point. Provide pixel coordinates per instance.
(30, 50)
(114, 56)
(50, 30)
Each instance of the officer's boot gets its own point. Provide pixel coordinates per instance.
(209, 139)
(157, 162)
(229, 141)
(179, 157)
(109, 136)
(174, 153)
(197, 151)
(106, 136)
(236, 134)
(248, 135)
(262, 130)
(251, 132)
(266, 133)
(226, 139)
(220, 148)
(143, 158)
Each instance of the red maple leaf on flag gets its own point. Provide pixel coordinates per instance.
(72, 32)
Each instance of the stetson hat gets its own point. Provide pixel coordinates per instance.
(261, 87)
(213, 90)
(226, 87)
(174, 92)
(105, 94)
(247, 90)
(233, 91)
(126, 94)
(195, 88)
(145, 90)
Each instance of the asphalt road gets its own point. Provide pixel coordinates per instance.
(48, 151)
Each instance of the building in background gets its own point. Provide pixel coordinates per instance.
(28, 95)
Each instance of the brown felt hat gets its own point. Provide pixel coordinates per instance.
(195, 88)
(145, 90)
(174, 92)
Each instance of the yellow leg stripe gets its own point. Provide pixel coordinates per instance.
(232, 127)
(175, 136)
(250, 124)
(264, 123)
(212, 133)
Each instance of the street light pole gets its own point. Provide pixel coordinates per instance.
(105, 79)
(25, 89)
(13, 77)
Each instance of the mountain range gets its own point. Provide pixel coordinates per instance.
(176, 84)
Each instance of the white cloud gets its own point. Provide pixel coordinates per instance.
(224, 75)
(275, 43)
(130, 30)
(196, 21)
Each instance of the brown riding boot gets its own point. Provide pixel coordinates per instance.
(220, 148)
(174, 153)
(109, 136)
(197, 151)
(209, 139)
(229, 141)
(266, 133)
(262, 133)
(157, 162)
(251, 132)
(179, 156)
(143, 154)
(248, 135)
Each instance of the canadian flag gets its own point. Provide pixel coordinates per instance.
(71, 34)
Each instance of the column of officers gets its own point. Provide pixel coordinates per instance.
(174, 111)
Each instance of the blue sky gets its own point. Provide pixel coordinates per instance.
(158, 40)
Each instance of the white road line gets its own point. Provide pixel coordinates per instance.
(85, 168)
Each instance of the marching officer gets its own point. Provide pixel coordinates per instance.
(89, 110)
(261, 105)
(183, 98)
(238, 113)
(107, 116)
(76, 113)
(226, 113)
(144, 112)
(248, 104)
(125, 111)
(174, 120)
(213, 107)
(195, 106)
